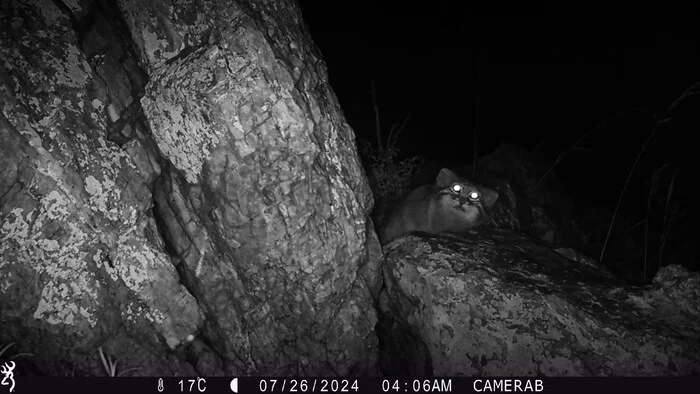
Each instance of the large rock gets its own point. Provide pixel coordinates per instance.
(81, 266)
(493, 302)
(215, 225)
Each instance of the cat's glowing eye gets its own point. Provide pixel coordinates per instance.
(456, 188)
(473, 196)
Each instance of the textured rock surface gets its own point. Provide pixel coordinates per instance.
(79, 270)
(240, 166)
(264, 199)
(495, 303)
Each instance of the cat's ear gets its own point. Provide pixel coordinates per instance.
(445, 178)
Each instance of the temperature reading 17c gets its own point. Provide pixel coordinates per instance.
(192, 385)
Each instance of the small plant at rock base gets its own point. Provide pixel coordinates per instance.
(669, 213)
(4, 349)
(111, 366)
(12, 357)
(391, 176)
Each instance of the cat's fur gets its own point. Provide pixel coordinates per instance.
(452, 203)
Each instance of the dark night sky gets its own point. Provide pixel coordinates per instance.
(548, 76)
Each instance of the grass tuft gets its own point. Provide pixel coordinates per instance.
(669, 211)
(110, 365)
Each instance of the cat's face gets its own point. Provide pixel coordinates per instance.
(462, 198)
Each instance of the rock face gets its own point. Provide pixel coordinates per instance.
(221, 201)
(180, 192)
(491, 302)
(79, 269)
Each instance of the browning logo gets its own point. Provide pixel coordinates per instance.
(8, 379)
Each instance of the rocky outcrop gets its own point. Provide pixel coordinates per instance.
(211, 220)
(491, 302)
(80, 268)
(180, 194)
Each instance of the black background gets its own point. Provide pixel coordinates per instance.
(545, 77)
